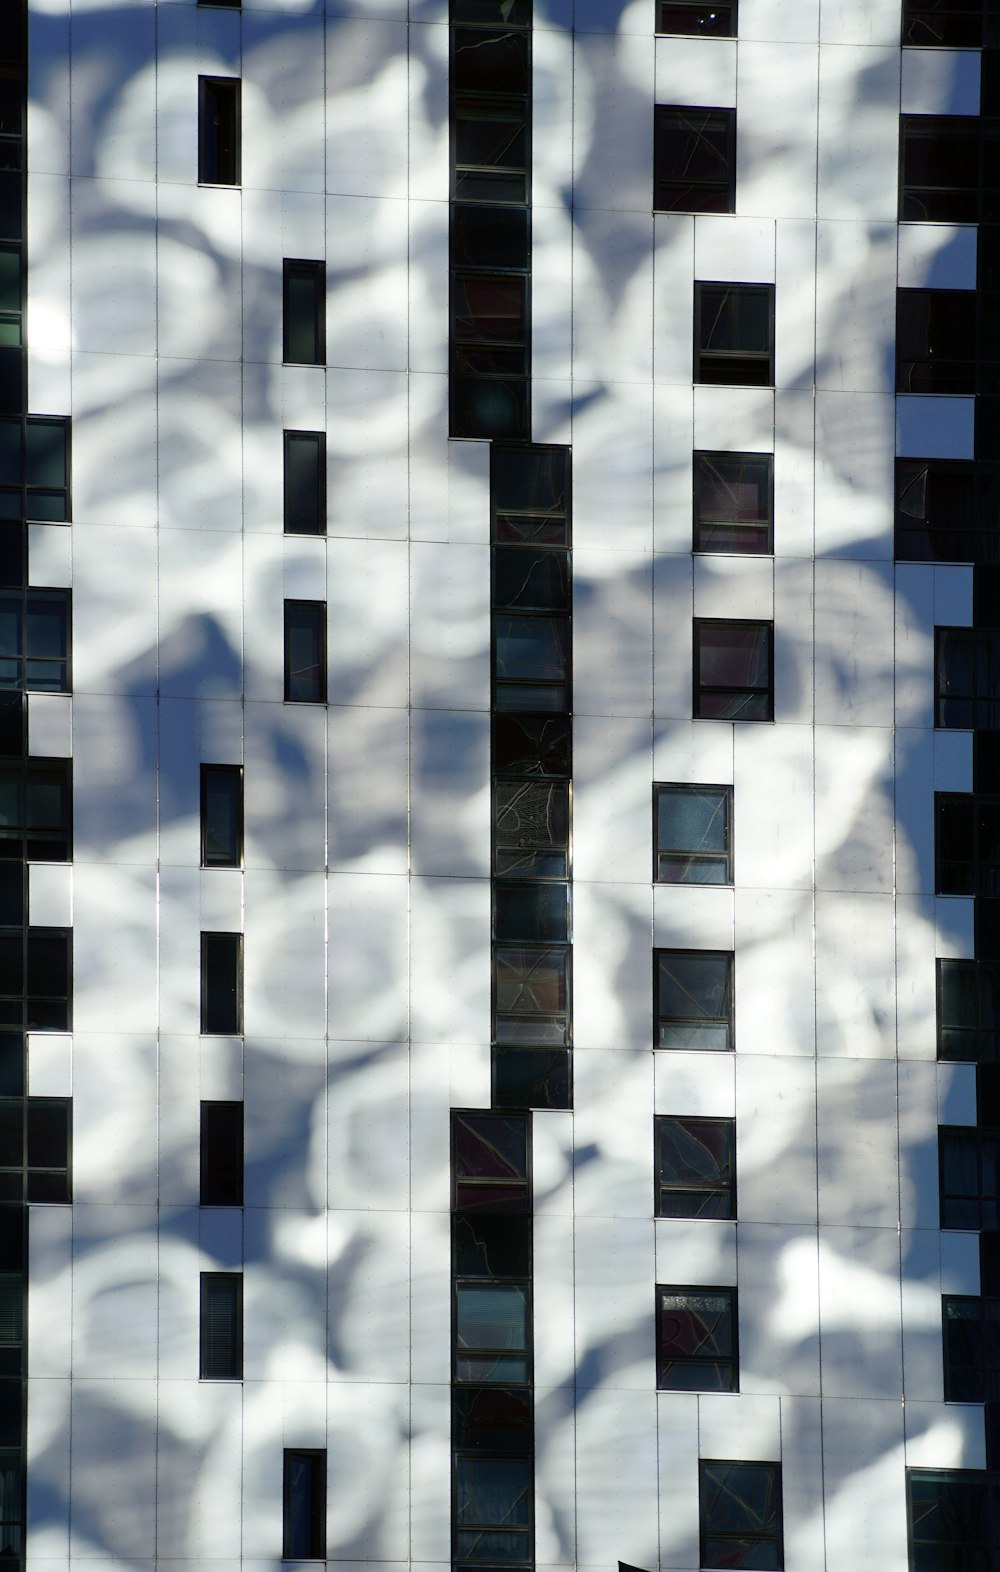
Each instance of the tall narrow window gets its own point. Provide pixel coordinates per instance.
(305, 651)
(694, 160)
(221, 816)
(222, 983)
(221, 1326)
(221, 1154)
(734, 334)
(219, 130)
(304, 313)
(36, 811)
(740, 1510)
(305, 482)
(304, 1535)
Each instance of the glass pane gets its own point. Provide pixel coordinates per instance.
(694, 998)
(305, 482)
(490, 1146)
(222, 804)
(46, 452)
(493, 1490)
(531, 1077)
(532, 580)
(489, 308)
(693, 820)
(47, 627)
(735, 317)
(491, 1315)
(48, 1133)
(734, 654)
(531, 827)
(530, 911)
(530, 648)
(531, 982)
(530, 480)
(489, 1246)
(489, 62)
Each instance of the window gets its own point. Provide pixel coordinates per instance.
(34, 449)
(694, 160)
(694, 998)
(305, 651)
(940, 175)
(696, 1340)
(304, 1526)
(936, 341)
(221, 1326)
(943, 24)
(967, 844)
(34, 640)
(218, 131)
(968, 1010)
(531, 829)
(694, 840)
(491, 158)
(969, 1169)
(733, 670)
(695, 1167)
(493, 1509)
(36, 812)
(531, 995)
(221, 815)
(222, 983)
(35, 979)
(703, 21)
(221, 1154)
(733, 502)
(35, 1148)
(304, 313)
(489, 1162)
(530, 592)
(947, 511)
(305, 482)
(740, 1510)
(967, 668)
(971, 1349)
(949, 1519)
(734, 334)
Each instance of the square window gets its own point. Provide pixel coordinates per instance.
(305, 483)
(695, 1167)
(304, 316)
(221, 1154)
(740, 1511)
(734, 334)
(493, 1500)
(694, 998)
(304, 1506)
(221, 816)
(218, 131)
(34, 640)
(968, 1011)
(694, 839)
(949, 1518)
(969, 1176)
(222, 984)
(221, 1326)
(733, 502)
(489, 1162)
(936, 341)
(305, 651)
(947, 511)
(694, 160)
(696, 1340)
(690, 19)
(733, 670)
(939, 169)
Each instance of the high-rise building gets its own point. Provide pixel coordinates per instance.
(500, 785)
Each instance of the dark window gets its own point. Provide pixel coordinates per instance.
(936, 341)
(971, 1349)
(305, 483)
(968, 1010)
(694, 160)
(492, 1327)
(531, 993)
(949, 1519)
(967, 666)
(35, 979)
(305, 651)
(35, 1149)
(733, 503)
(967, 844)
(694, 998)
(694, 838)
(947, 511)
(492, 140)
(221, 1326)
(734, 334)
(740, 1509)
(222, 983)
(943, 24)
(221, 1154)
(530, 495)
(219, 130)
(489, 324)
(36, 810)
(531, 829)
(221, 815)
(939, 174)
(493, 1497)
(304, 313)
(489, 1162)
(34, 640)
(494, 61)
(733, 670)
(304, 1535)
(695, 1167)
(701, 21)
(969, 1159)
(696, 1340)
(232, 5)
(34, 457)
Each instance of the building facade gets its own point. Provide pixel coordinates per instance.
(499, 784)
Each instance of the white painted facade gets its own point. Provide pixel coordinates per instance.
(155, 323)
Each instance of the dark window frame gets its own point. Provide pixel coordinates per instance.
(58, 1007)
(944, 203)
(25, 681)
(691, 19)
(219, 130)
(292, 510)
(210, 1026)
(316, 1548)
(299, 269)
(707, 359)
(979, 1026)
(973, 816)
(975, 707)
(960, 517)
(703, 528)
(512, 1189)
(318, 615)
(214, 1190)
(764, 1540)
(25, 1178)
(229, 1361)
(38, 500)
(228, 772)
(728, 1021)
(671, 192)
(666, 789)
(695, 1361)
(964, 1210)
(977, 1378)
(948, 26)
(32, 841)
(753, 693)
(944, 1477)
(691, 1193)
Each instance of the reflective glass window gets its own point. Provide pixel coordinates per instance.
(693, 829)
(221, 816)
(305, 651)
(733, 670)
(304, 315)
(695, 1167)
(971, 1348)
(968, 1010)
(34, 640)
(740, 1510)
(218, 131)
(969, 1172)
(221, 1326)
(936, 341)
(694, 160)
(304, 1506)
(733, 502)
(689, 18)
(694, 998)
(305, 483)
(222, 983)
(221, 1154)
(696, 1340)
(734, 334)
(949, 1519)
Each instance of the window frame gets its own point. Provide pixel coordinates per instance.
(947, 127)
(318, 439)
(915, 17)
(212, 1184)
(700, 688)
(32, 841)
(715, 120)
(981, 1139)
(207, 1029)
(982, 1378)
(706, 1466)
(706, 358)
(227, 772)
(233, 1282)
(293, 268)
(317, 1505)
(26, 1002)
(701, 459)
(662, 789)
(26, 595)
(219, 125)
(945, 1477)
(665, 7)
(725, 1190)
(19, 497)
(978, 976)
(659, 1019)
(27, 1180)
(319, 612)
(981, 710)
(922, 370)
(695, 1361)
